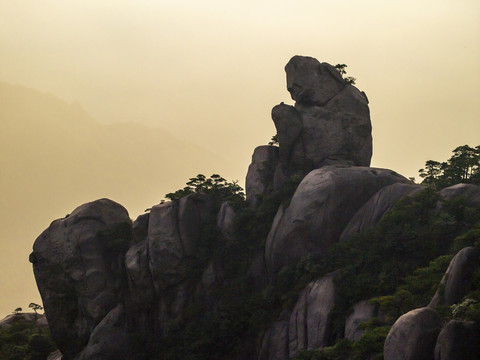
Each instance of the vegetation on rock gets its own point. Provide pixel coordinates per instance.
(462, 167)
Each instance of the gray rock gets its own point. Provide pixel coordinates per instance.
(339, 132)
(259, 180)
(139, 278)
(173, 232)
(413, 336)
(373, 210)
(11, 319)
(458, 340)
(320, 209)
(457, 281)
(109, 340)
(312, 82)
(309, 325)
(225, 220)
(362, 312)
(140, 228)
(78, 266)
(275, 342)
(469, 192)
(288, 123)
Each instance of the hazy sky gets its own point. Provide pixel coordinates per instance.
(209, 72)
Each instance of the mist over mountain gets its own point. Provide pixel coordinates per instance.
(53, 152)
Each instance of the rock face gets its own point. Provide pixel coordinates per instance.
(329, 124)
(173, 231)
(469, 192)
(413, 336)
(309, 325)
(457, 280)
(373, 210)
(362, 311)
(259, 181)
(110, 339)
(275, 342)
(225, 220)
(458, 340)
(78, 266)
(321, 207)
(311, 82)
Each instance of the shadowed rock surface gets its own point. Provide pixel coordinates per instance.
(468, 192)
(362, 312)
(275, 342)
(321, 207)
(457, 281)
(373, 210)
(78, 266)
(309, 325)
(413, 336)
(259, 181)
(458, 340)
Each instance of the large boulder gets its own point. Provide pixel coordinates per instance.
(329, 124)
(469, 192)
(312, 82)
(374, 209)
(320, 209)
(413, 336)
(310, 322)
(174, 230)
(259, 180)
(110, 339)
(78, 266)
(458, 340)
(457, 281)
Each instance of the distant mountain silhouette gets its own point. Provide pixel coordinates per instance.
(54, 155)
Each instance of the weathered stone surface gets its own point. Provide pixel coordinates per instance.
(329, 125)
(312, 82)
(109, 340)
(373, 210)
(275, 342)
(259, 181)
(173, 231)
(458, 340)
(288, 122)
(78, 266)
(140, 228)
(413, 336)
(225, 218)
(321, 207)
(362, 312)
(139, 278)
(11, 319)
(338, 133)
(457, 281)
(469, 192)
(309, 325)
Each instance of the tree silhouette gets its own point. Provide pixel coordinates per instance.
(35, 308)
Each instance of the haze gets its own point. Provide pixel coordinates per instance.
(196, 81)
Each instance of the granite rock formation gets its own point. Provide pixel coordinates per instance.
(117, 289)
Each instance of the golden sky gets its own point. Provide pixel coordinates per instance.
(206, 74)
